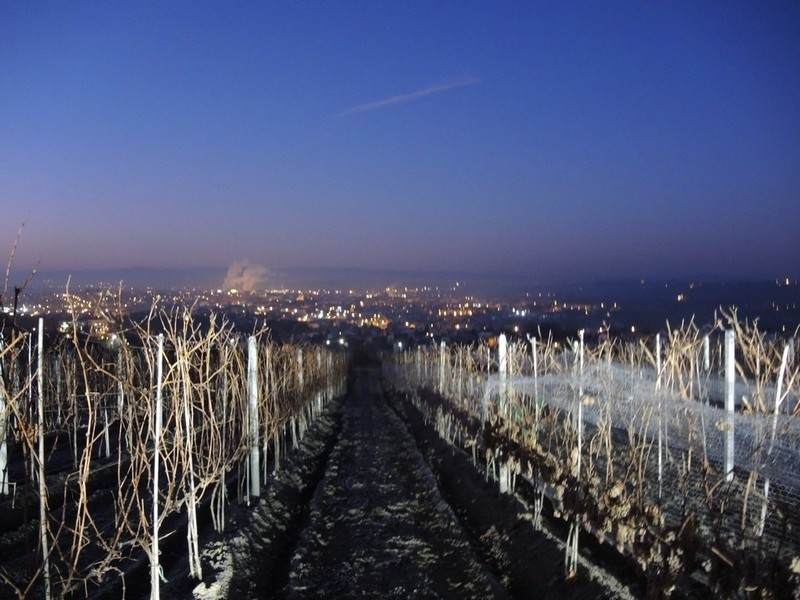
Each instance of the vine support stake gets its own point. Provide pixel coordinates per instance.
(442, 350)
(3, 424)
(502, 355)
(660, 417)
(155, 566)
(42, 482)
(252, 387)
(778, 400)
(730, 390)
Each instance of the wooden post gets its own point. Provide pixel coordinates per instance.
(252, 387)
(3, 426)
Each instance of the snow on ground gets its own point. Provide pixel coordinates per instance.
(373, 504)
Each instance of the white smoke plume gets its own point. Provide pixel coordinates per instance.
(246, 277)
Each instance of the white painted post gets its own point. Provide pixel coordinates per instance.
(660, 416)
(580, 406)
(581, 349)
(535, 351)
(706, 354)
(502, 355)
(252, 386)
(300, 374)
(106, 434)
(441, 366)
(502, 360)
(319, 397)
(120, 382)
(502, 370)
(221, 483)
(571, 559)
(730, 390)
(155, 566)
(195, 568)
(658, 361)
(42, 482)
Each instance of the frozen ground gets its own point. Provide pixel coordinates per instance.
(370, 505)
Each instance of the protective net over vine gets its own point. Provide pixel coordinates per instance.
(659, 446)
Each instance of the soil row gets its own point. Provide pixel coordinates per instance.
(373, 503)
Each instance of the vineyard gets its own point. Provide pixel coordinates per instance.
(678, 452)
(112, 444)
(122, 449)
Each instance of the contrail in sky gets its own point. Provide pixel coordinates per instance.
(412, 96)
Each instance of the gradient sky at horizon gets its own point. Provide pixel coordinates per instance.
(558, 141)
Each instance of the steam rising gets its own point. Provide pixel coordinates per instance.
(247, 277)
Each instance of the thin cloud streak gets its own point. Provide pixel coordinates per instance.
(410, 97)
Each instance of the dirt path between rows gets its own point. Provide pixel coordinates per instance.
(379, 525)
(373, 504)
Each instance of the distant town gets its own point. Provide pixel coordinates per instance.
(403, 317)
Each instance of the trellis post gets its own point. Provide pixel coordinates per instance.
(252, 387)
(442, 349)
(660, 416)
(778, 400)
(3, 424)
(730, 390)
(502, 355)
(155, 566)
(42, 482)
(502, 361)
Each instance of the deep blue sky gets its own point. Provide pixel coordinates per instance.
(555, 140)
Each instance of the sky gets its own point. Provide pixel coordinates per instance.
(550, 140)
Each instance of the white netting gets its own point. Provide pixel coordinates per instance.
(659, 431)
